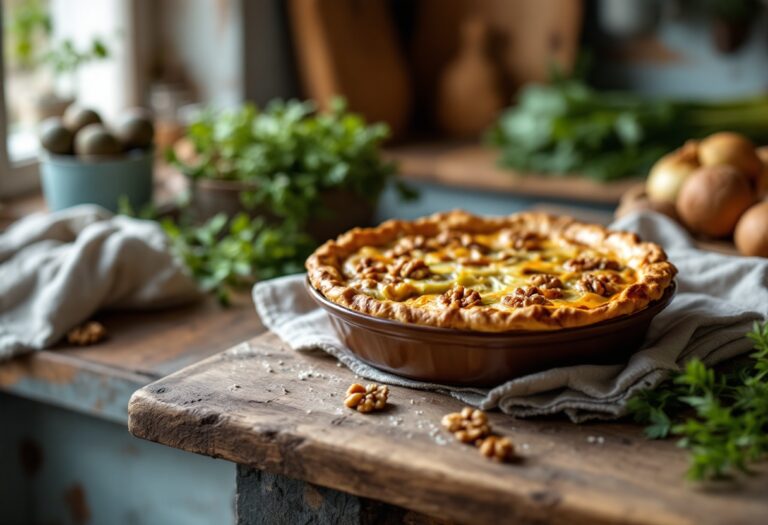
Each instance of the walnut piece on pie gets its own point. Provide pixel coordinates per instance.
(459, 297)
(521, 297)
(528, 271)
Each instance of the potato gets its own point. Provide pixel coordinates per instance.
(134, 129)
(76, 118)
(55, 137)
(96, 140)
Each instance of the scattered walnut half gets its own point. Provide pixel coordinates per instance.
(603, 284)
(366, 398)
(467, 426)
(471, 426)
(88, 333)
(459, 297)
(522, 297)
(497, 447)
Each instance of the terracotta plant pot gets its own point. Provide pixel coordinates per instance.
(347, 209)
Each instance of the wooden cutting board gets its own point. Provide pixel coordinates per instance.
(527, 38)
(350, 48)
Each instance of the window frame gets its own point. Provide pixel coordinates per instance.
(15, 177)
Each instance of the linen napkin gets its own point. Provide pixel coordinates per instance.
(57, 269)
(718, 299)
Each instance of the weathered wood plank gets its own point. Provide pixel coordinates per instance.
(157, 343)
(475, 167)
(265, 407)
(141, 347)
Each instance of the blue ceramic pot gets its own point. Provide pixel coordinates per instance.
(69, 180)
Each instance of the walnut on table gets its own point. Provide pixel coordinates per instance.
(367, 398)
(467, 426)
(498, 448)
(86, 334)
(470, 426)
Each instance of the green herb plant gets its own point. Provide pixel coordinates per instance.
(720, 417)
(289, 154)
(567, 127)
(223, 254)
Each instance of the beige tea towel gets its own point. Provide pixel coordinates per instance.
(58, 269)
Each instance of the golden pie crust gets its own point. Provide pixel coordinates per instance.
(528, 271)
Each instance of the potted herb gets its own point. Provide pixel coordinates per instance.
(288, 163)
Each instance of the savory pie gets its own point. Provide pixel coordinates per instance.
(528, 271)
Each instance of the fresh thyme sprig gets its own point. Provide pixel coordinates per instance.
(721, 417)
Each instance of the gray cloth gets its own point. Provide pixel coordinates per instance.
(718, 299)
(58, 269)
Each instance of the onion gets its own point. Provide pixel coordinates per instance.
(731, 149)
(712, 200)
(668, 174)
(751, 235)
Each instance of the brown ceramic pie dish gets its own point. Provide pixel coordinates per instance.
(457, 357)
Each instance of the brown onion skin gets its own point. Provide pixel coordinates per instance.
(712, 199)
(732, 149)
(751, 235)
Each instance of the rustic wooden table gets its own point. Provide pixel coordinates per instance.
(59, 465)
(141, 347)
(303, 457)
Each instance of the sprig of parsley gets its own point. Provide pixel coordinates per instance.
(721, 417)
(225, 254)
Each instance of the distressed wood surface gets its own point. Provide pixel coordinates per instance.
(266, 407)
(475, 167)
(141, 347)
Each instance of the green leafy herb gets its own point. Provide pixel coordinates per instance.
(65, 57)
(721, 417)
(223, 254)
(567, 127)
(290, 153)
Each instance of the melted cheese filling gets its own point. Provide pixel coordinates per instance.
(495, 272)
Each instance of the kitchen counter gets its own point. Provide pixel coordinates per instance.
(303, 457)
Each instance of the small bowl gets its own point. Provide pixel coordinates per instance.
(69, 180)
(465, 358)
